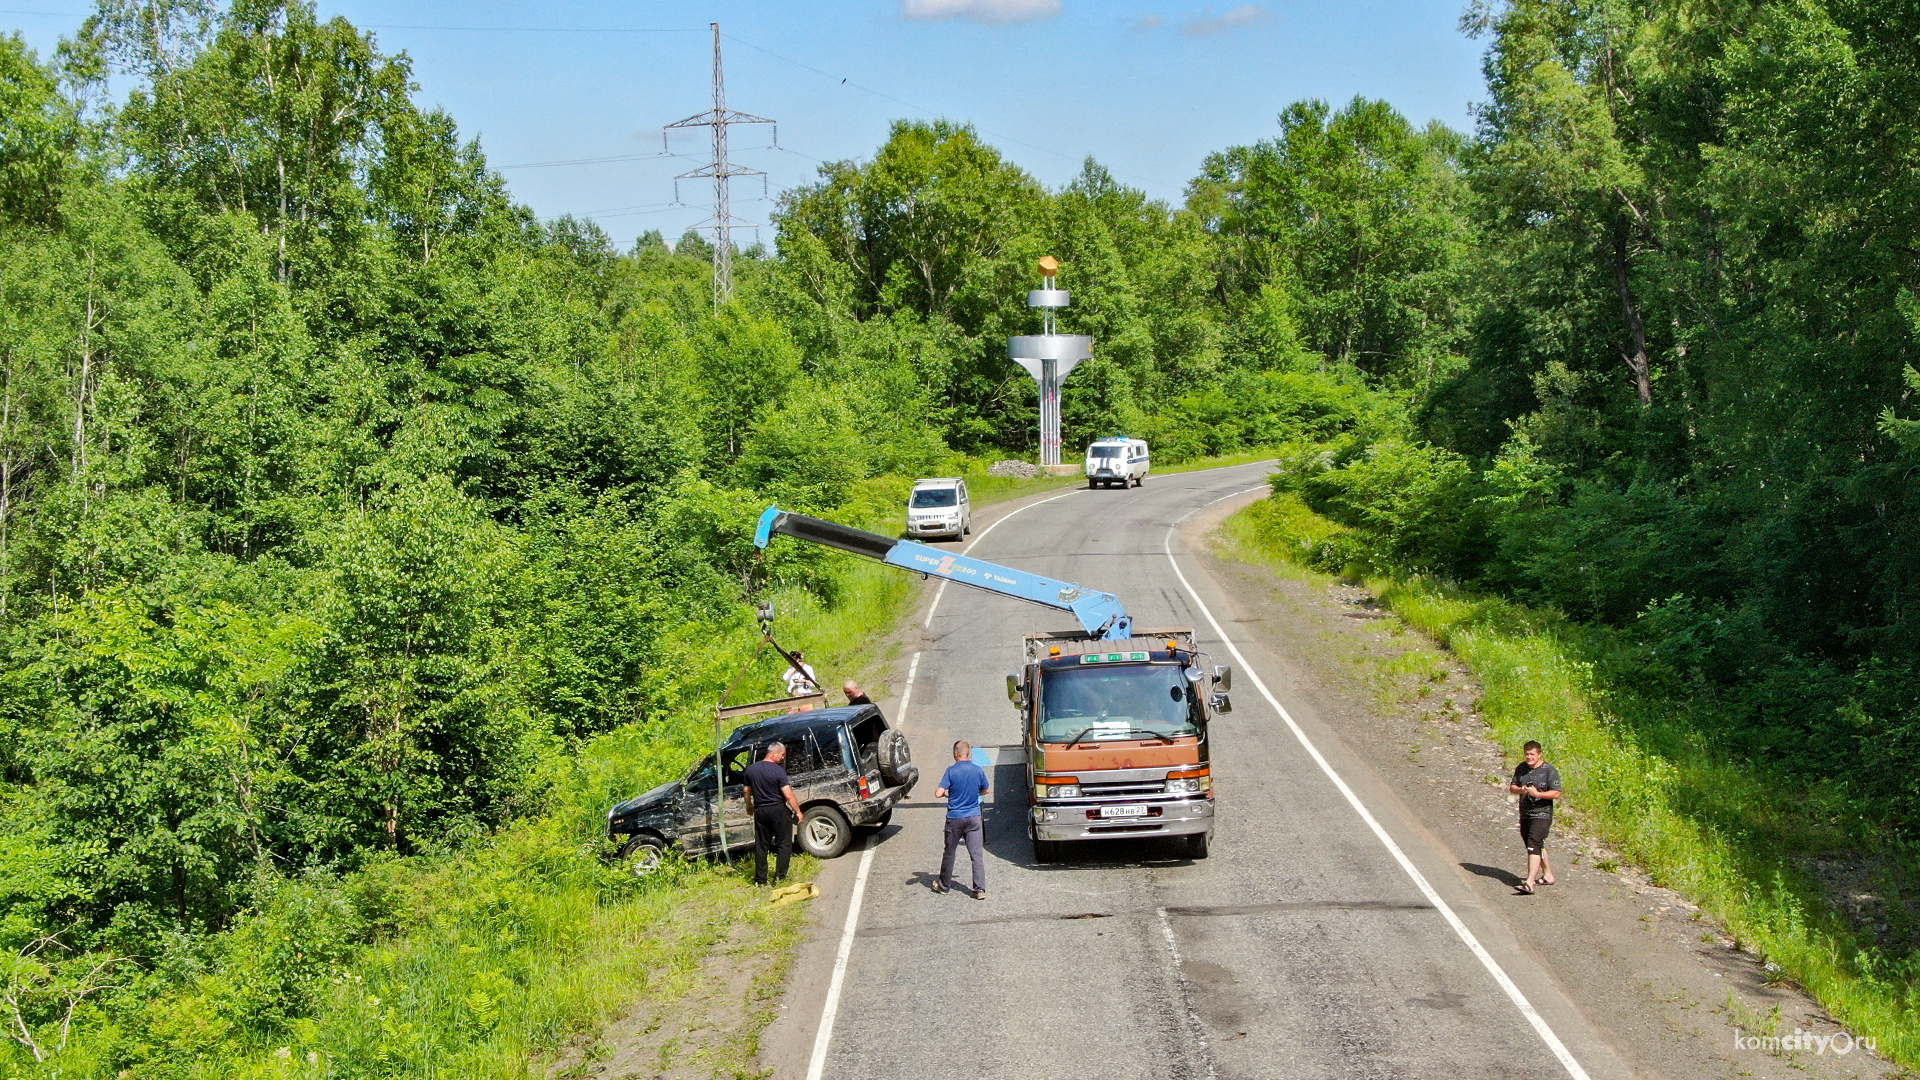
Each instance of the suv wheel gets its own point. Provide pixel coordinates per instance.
(824, 832)
(642, 854)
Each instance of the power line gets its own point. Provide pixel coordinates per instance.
(931, 112)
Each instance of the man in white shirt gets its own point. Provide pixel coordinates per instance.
(800, 677)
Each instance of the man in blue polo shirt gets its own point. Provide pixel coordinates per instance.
(962, 786)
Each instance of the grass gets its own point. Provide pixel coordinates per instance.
(510, 956)
(1735, 837)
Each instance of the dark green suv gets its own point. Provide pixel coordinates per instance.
(848, 769)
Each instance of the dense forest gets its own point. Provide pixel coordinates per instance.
(342, 500)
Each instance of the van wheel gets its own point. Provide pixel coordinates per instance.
(1091, 484)
(967, 528)
(1197, 846)
(642, 854)
(824, 832)
(1046, 851)
(1141, 479)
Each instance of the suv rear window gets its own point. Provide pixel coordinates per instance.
(935, 497)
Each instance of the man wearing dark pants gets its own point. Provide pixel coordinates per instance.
(962, 786)
(775, 809)
(1538, 785)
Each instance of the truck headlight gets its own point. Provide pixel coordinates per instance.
(1056, 791)
(1183, 787)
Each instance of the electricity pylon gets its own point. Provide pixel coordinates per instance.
(719, 118)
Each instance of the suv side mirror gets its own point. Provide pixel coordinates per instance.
(1222, 703)
(1223, 678)
(1013, 689)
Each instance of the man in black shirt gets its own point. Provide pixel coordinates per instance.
(1538, 785)
(775, 809)
(855, 695)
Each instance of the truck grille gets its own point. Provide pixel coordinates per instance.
(1137, 787)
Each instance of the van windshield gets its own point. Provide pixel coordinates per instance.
(935, 497)
(1131, 701)
(1104, 452)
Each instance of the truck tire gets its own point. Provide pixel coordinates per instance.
(895, 755)
(642, 854)
(824, 832)
(1046, 851)
(1197, 846)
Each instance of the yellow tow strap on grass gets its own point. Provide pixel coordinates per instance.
(803, 890)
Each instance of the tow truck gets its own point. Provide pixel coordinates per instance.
(1114, 717)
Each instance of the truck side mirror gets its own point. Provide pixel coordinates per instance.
(1222, 703)
(1013, 689)
(1223, 677)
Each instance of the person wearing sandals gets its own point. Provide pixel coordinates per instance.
(962, 785)
(1538, 785)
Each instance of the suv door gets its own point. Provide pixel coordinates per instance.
(694, 823)
(737, 810)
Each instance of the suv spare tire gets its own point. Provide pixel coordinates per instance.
(895, 756)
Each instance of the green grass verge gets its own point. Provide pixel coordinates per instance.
(512, 953)
(1735, 837)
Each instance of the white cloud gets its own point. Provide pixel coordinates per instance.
(994, 12)
(1244, 15)
(1146, 23)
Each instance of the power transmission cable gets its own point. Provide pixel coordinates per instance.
(930, 112)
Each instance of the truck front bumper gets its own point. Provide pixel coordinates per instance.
(1069, 821)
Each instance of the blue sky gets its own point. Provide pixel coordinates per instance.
(1147, 88)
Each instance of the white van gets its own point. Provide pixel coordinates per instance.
(1117, 461)
(939, 507)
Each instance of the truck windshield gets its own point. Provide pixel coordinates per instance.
(935, 497)
(1132, 701)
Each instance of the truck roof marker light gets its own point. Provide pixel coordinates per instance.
(1172, 645)
(1055, 651)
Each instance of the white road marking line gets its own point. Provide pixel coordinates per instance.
(1193, 1018)
(824, 1037)
(818, 1064)
(900, 718)
(1479, 951)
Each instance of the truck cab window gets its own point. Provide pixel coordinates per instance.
(1130, 701)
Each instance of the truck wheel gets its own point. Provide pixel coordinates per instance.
(642, 854)
(1046, 851)
(1197, 846)
(824, 832)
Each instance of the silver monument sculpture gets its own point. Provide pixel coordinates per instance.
(1049, 357)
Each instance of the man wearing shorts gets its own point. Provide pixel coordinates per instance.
(1538, 785)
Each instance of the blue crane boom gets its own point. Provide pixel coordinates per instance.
(1099, 612)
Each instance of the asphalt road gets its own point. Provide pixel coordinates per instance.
(1305, 946)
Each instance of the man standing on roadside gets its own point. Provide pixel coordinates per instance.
(775, 809)
(1538, 785)
(855, 695)
(962, 786)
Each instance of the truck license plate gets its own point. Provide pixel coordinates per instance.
(1123, 811)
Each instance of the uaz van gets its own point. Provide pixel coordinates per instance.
(1117, 461)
